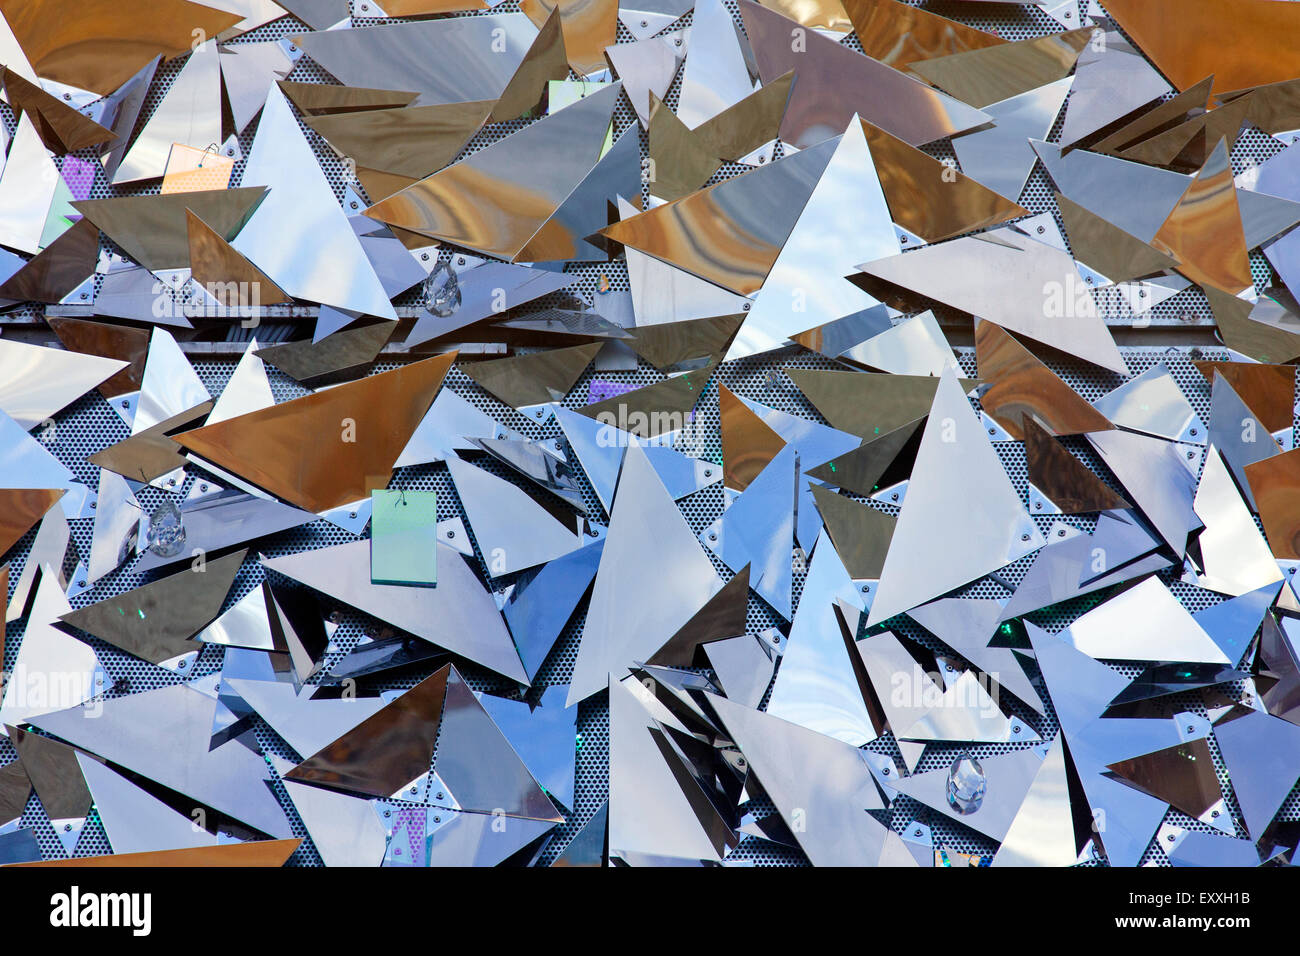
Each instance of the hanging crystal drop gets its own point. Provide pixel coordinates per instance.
(445, 288)
(966, 784)
(166, 530)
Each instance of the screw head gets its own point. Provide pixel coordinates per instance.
(1024, 537)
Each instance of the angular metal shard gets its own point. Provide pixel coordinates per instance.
(646, 530)
(1023, 387)
(721, 618)
(1108, 249)
(323, 99)
(542, 601)
(847, 203)
(225, 274)
(1134, 197)
(300, 199)
(826, 779)
(1001, 158)
(730, 233)
(458, 614)
(408, 728)
(1241, 333)
(1204, 230)
(1242, 42)
(1260, 753)
(647, 68)
(1183, 776)
(1267, 390)
(395, 56)
(898, 35)
(164, 735)
(670, 343)
(1042, 832)
(512, 530)
(1061, 477)
(654, 409)
(862, 471)
(542, 736)
(1234, 555)
(475, 761)
(719, 75)
(247, 71)
(373, 418)
(819, 685)
(311, 362)
(651, 809)
(1240, 437)
(835, 82)
(267, 853)
(481, 839)
(1111, 80)
(1012, 775)
(536, 378)
(955, 454)
(1144, 623)
(984, 77)
(498, 199)
(1234, 623)
(869, 405)
(29, 181)
(1157, 482)
(58, 269)
(1274, 483)
(589, 26)
(410, 142)
(1041, 281)
(757, 531)
(62, 129)
(27, 463)
(20, 509)
(748, 445)
(117, 521)
(134, 820)
(224, 519)
(860, 533)
(346, 831)
(1153, 403)
(156, 621)
(1156, 120)
(154, 230)
(107, 41)
(189, 114)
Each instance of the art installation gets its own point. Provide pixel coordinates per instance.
(583, 433)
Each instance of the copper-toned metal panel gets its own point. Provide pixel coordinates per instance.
(62, 129)
(258, 853)
(1204, 230)
(1268, 390)
(930, 198)
(1022, 385)
(356, 431)
(226, 274)
(748, 444)
(111, 341)
(536, 378)
(1106, 247)
(413, 141)
(544, 61)
(322, 99)
(58, 268)
(150, 453)
(105, 42)
(20, 509)
(1062, 477)
(588, 25)
(897, 34)
(1275, 483)
(982, 77)
(1183, 776)
(1242, 42)
(667, 343)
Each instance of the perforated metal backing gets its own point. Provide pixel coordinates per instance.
(90, 425)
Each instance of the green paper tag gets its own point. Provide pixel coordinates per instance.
(404, 538)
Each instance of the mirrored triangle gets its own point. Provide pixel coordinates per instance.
(134, 820)
(458, 614)
(375, 416)
(953, 448)
(645, 526)
(984, 77)
(189, 113)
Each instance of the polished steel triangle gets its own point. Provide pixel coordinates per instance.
(955, 455)
(806, 284)
(1042, 831)
(373, 419)
(133, 819)
(535, 378)
(1204, 230)
(459, 614)
(646, 530)
(300, 207)
(189, 114)
(1060, 476)
(984, 77)
(163, 735)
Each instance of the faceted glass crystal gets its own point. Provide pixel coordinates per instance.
(966, 784)
(166, 530)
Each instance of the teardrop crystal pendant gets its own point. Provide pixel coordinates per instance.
(445, 289)
(966, 784)
(166, 530)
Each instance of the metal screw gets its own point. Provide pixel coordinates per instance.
(352, 514)
(353, 204)
(439, 795)
(902, 239)
(203, 487)
(388, 813)
(1041, 230)
(894, 496)
(708, 472)
(94, 504)
(437, 819)
(1190, 455)
(916, 832)
(1024, 537)
(645, 23)
(171, 482)
(1060, 533)
(81, 584)
(1193, 431)
(67, 96)
(424, 256)
(884, 771)
(451, 534)
(67, 826)
(1015, 729)
(745, 307)
(1170, 838)
(1038, 505)
(713, 536)
(740, 761)
(1215, 814)
(460, 260)
(776, 639)
(866, 588)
